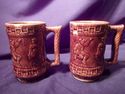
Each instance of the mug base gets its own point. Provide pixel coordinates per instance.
(83, 80)
(31, 80)
(86, 79)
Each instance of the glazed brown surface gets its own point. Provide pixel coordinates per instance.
(27, 48)
(27, 44)
(87, 47)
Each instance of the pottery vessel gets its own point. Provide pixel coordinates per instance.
(27, 44)
(87, 47)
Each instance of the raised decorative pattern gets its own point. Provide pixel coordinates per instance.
(27, 43)
(14, 45)
(27, 48)
(87, 49)
(89, 30)
(86, 72)
(30, 72)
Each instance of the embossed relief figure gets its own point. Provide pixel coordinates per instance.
(33, 49)
(27, 44)
(14, 45)
(80, 49)
(85, 46)
(88, 46)
(100, 48)
(36, 50)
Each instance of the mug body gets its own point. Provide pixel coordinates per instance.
(26, 39)
(87, 46)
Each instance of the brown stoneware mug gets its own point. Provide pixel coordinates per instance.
(27, 44)
(87, 47)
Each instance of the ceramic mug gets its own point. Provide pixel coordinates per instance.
(27, 44)
(87, 46)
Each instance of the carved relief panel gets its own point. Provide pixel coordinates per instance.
(87, 49)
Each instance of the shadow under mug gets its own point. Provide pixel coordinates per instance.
(27, 44)
(87, 47)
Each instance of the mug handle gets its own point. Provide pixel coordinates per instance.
(56, 30)
(118, 29)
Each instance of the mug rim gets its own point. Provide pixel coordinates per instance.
(24, 23)
(89, 22)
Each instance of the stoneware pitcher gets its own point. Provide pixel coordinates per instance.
(27, 44)
(87, 45)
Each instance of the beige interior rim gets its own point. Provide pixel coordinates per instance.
(89, 22)
(23, 23)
